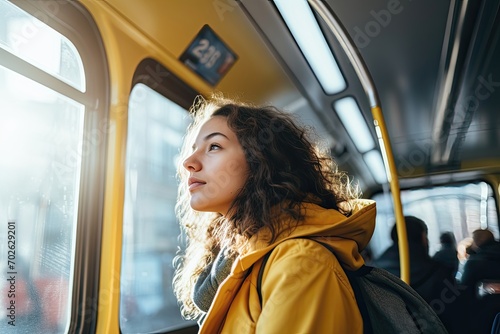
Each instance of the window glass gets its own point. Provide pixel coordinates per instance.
(29, 38)
(156, 127)
(41, 135)
(460, 209)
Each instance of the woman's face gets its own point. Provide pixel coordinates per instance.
(217, 167)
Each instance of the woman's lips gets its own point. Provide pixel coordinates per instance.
(194, 183)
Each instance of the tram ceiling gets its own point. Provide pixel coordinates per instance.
(433, 66)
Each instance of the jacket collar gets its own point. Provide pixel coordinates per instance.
(348, 235)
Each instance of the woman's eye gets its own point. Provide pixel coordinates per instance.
(213, 147)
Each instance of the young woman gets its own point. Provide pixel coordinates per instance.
(252, 182)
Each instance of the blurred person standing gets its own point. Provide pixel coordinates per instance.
(448, 253)
(482, 266)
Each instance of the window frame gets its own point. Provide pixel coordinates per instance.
(73, 21)
(157, 77)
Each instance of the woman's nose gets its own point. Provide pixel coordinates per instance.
(191, 163)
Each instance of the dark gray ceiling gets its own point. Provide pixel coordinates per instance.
(436, 68)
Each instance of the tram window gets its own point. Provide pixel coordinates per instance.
(39, 177)
(460, 209)
(51, 168)
(156, 127)
(30, 39)
(41, 133)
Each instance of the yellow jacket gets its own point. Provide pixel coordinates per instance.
(304, 289)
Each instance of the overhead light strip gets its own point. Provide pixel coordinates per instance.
(308, 35)
(350, 115)
(373, 160)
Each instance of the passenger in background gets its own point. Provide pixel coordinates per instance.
(484, 260)
(426, 275)
(448, 252)
(434, 281)
(483, 265)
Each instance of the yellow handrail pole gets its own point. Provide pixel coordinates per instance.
(392, 177)
(378, 119)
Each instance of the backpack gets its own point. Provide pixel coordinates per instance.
(386, 303)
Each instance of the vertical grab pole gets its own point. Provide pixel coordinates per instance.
(378, 119)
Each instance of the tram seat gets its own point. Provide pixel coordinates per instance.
(486, 310)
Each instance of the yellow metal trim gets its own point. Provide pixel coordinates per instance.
(392, 177)
(112, 234)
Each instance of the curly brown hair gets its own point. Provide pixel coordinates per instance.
(285, 170)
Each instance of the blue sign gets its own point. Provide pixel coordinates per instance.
(209, 56)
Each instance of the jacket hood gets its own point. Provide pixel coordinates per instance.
(347, 235)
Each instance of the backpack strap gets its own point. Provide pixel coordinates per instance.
(261, 273)
(367, 326)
